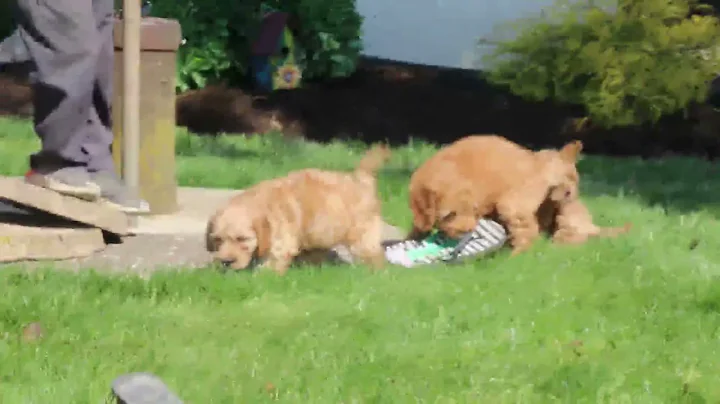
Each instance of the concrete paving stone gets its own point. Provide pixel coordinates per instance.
(196, 207)
(198, 204)
(174, 240)
(26, 237)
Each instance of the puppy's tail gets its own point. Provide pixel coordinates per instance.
(373, 160)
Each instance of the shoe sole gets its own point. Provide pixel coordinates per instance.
(487, 238)
(126, 209)
(90, 192)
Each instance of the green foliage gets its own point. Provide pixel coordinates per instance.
(7, 25)
(330, 32)
(219, 35)
(647, 59)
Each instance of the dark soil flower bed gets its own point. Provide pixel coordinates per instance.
(396, 102)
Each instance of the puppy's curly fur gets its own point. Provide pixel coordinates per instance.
(490, 176)
(306, 211)
(570, 222)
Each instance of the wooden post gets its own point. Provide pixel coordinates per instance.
(159, 41)
(131, 94)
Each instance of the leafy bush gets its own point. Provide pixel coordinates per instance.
(219, 35)
(217, 38)
(330, 33)
(645, 59)
(7, 25)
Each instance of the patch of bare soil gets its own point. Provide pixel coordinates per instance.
(15, 94)
(396, 102)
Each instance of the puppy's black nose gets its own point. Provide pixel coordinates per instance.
(227, 263)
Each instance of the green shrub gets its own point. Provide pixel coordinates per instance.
(647, 59)
(330, 33)
(7, 26)
(219, 35)
(217, 38)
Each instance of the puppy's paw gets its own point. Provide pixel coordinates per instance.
(279, 266)
(518, 250)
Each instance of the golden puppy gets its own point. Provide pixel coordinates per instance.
(488, 175)
(308, 210)
(568, 189)
(572, 223)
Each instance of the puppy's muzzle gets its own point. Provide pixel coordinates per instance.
(227, 263)
(254, 262)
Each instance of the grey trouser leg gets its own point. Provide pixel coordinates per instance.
(70, 42)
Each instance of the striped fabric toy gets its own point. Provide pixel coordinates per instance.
(488, 236)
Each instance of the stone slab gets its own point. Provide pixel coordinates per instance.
(196, 205)
(168, 241)
(26, 237)
(89, 213)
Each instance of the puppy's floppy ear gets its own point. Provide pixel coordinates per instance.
(546, 216)
(446, 214)
(464, 202)
(559, 193)
(571, 151)
(422, 205)
(261, 227)
(209, 239)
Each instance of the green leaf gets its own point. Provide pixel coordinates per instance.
(198, 79)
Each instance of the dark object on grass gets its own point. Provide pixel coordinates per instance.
(142, 388)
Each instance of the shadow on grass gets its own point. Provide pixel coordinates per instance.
(675, 184)
(397, 175)
(212, 146)
(267, 146)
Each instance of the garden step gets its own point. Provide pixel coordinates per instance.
(17, 191)
(44, 237)
(39, 224)
(71, 229)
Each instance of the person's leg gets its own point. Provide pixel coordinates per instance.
(98, 132)
(71, 44)
(62, 40)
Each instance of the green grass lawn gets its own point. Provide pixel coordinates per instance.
(632, 320)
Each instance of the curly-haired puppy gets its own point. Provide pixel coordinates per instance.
(306, 211)
(488, 175)
(571, 223)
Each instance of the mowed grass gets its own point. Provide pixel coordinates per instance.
(631, 320)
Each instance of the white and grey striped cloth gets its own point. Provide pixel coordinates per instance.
(488, 236)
